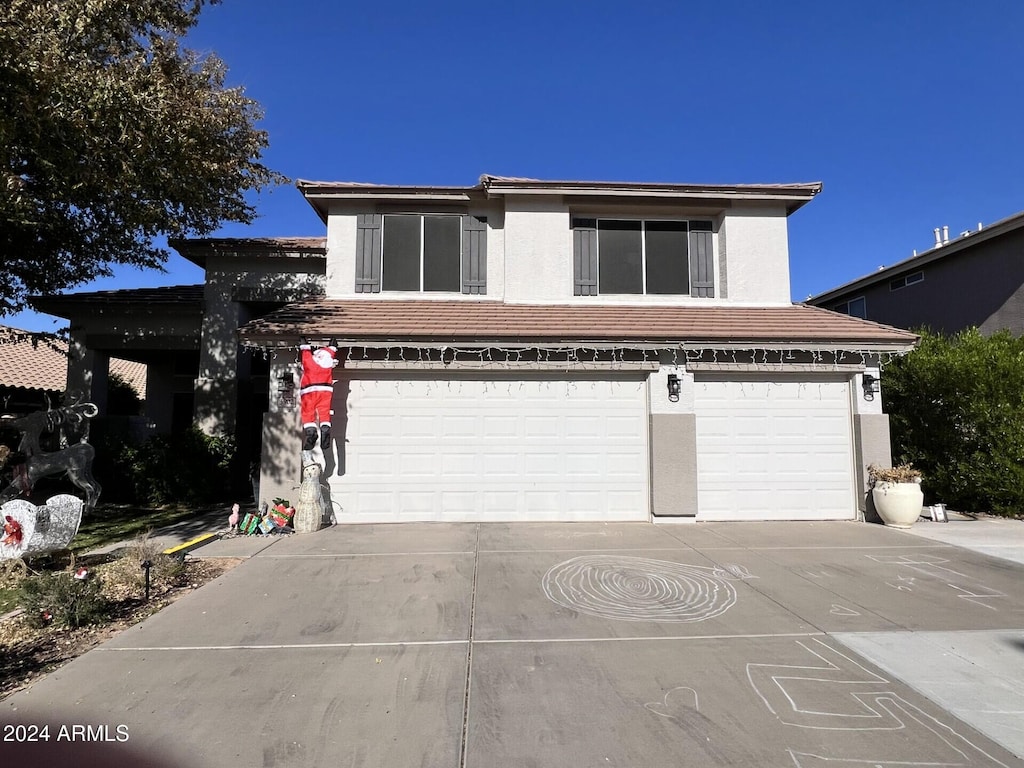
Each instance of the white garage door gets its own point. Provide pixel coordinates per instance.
(487, 449)
(773, 450)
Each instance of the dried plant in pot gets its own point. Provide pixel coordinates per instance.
(896, 493)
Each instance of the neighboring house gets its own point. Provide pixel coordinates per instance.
(525, 350)
(974, 280)
(33, 372)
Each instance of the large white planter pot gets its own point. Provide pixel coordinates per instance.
(898, 504)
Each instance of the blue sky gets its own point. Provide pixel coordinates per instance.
(910, 113)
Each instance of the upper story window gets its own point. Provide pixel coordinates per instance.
(854, 307)
(633, 256)
(905, 280)
(421, 252)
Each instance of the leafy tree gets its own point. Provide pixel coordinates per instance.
(122, 399)
(956, 407)
(112, 133)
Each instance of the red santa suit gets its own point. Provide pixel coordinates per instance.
(316, 390)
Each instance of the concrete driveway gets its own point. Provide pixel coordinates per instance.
(806, 645)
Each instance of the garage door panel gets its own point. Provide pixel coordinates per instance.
(499, 426)
(620, 503)
(419, 426)
(542, 465)
(487, 449)
(454, 502)
(540, 427)
(500, 465)
(773, 450)
(620, 426)
(464, 464)
(458, 426)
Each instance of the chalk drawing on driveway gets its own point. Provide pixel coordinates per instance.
(932, 566)
(832, 692)
(639, 589)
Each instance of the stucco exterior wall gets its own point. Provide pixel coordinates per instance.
(538, 251)
(871, 445)
(758, 265)
(530, 255)
(674, 465)
(341, 255)
(673, 448)
(230, 281)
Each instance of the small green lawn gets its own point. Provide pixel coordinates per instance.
(117, 522)
(110, 523)
(8, 600)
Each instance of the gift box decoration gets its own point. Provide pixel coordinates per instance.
(278, 518)
(281, 513)
(250, 523)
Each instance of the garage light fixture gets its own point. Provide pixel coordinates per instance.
(871, 385)
(673, 387)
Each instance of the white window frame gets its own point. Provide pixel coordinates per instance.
(903, 281)
(844, 307)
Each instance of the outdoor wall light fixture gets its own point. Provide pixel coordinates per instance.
(673, 387)
(871, 385)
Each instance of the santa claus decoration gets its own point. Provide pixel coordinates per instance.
(315, 392)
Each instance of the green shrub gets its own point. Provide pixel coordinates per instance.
(957, 412)
(63, 600)
(188, 468)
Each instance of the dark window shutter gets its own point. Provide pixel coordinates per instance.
(584, 253)
(702, 261)
(474, 254)
(368, 252)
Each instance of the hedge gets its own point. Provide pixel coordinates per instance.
(956, 408)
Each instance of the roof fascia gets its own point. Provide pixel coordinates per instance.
(794, 195)
(320, 194)
(197, 251)
(70, 306)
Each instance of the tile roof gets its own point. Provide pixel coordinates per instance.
(256, 243)
(43, 364)
(196, 250)
(808, 189)
(320, 193)
(374, 321)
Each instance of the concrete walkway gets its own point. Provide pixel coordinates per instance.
(998, 537)
(814, 645)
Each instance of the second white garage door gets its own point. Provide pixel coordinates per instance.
(491, 449)
(773, 450)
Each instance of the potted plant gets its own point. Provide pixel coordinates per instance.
(896, 493)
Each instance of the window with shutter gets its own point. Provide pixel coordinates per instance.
(474, 254)
(368, 226)
(635, 256)
(421, 252)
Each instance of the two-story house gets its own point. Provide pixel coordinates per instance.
(526, 350)
(973, 279)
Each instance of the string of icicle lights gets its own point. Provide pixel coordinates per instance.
(512, 356)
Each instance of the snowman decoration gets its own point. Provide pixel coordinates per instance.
(315, 392)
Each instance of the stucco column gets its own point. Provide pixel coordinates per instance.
(88, 372)
(673, 445)
(217, 385)
(871, 437)
(280, 455)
